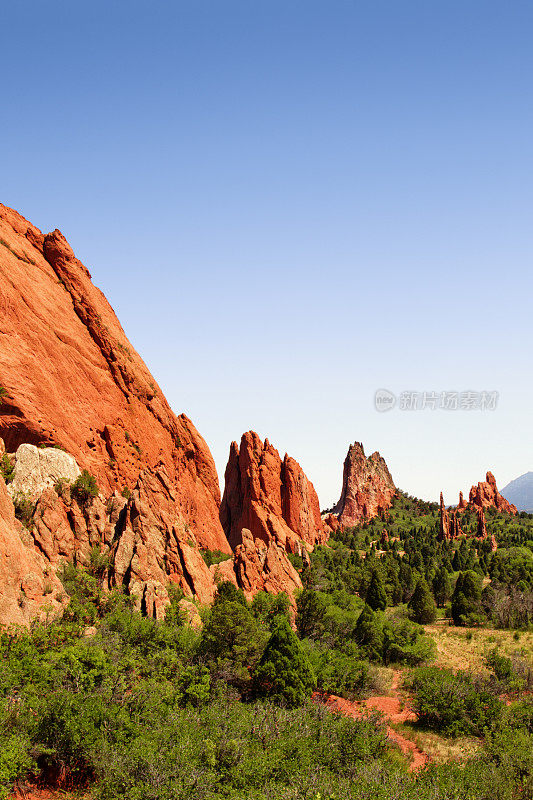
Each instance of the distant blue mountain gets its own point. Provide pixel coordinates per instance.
(520, 492)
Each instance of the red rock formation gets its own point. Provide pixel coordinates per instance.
(450, 526)
(486, 495)
(146, 539)
(74, 379)
(271, 498)
(367, 487)
(462, 503)
(29, 586)
(481, 524)
(261, 566)
(156, 545)
(331, 523)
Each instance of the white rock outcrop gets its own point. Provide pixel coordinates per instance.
(38, 468)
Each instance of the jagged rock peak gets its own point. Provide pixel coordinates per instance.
(450, 526)
(486, 495)
(367, 487)
(270, 497)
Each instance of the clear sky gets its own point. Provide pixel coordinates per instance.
(293, 204)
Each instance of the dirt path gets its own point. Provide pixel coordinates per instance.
(394, 709)
(35, 793)
(38, 794)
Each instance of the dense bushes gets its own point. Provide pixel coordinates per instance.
(150, 710)
(454, 703)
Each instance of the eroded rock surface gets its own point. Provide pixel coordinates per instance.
(367, 487)
(486, 495)
(29, 587)
(73, 379)
(449, 525)
(271, 498)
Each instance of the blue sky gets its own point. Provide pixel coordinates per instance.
(293, 204)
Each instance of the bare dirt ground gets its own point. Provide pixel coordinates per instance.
(395, 709)
(35, 793)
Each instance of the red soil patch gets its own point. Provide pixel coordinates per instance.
(38, 794)
(394, 710)
(41, 793)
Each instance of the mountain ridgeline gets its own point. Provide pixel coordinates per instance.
(520, 492)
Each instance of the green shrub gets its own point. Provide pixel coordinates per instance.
(454, 703)
(368, 634)
(15, 761)
(98, 562)
(405, 642)
(338, 672)
(376, 596)
(7, 468)
(61, 485)
(232, 641)
(24, 508)
(214, 556)
(85, 487)
(267, 607)
(310, 614)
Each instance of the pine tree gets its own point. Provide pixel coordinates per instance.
(422, 605)
(368, 634)
(284, 674)
(376, 596)
(466, 599)
(405, 577)
(442, 587)
(310, 613)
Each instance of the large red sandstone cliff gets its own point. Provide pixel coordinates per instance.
(70, 378)
(73, 379)
(367, 487)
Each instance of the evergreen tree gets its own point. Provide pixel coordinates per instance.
(405, 577)
(376, 596)
(368, 634)
(442, 587)
(284, 674)
(457, 564)
(228, 592)
(466, 599)
(422, 605)
(231, 639)
(310, 614)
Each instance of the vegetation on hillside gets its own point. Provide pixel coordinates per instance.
(153, 710)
